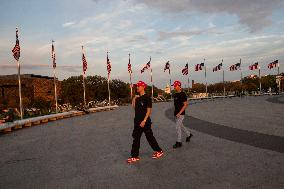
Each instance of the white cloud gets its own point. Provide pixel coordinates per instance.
(68, 24)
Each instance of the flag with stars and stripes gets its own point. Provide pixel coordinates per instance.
(235, 66)
(53, 56)
(273, 64)
(129, 66)
(167, 67)
(254, 66)
(218, 67)
(199, 66)
(147, 66)
(85, 64)
(185, 70)
(108, 66)
(16, 50)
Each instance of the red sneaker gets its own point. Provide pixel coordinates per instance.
(133, 159)
(157, 155)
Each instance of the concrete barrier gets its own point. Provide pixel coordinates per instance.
(7, 127)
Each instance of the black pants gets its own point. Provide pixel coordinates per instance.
(137, 133)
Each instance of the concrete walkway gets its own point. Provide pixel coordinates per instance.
(91, 151)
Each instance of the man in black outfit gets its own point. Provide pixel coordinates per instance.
(180, 102)
(142, 124)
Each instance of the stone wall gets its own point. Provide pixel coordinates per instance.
(33, 87)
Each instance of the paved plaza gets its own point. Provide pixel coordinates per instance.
(237, 143)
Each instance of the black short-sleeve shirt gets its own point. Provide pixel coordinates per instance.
(179, 99)
(141, 104)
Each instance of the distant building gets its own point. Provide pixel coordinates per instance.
(33, 86)
(168, 89)
(252, 76)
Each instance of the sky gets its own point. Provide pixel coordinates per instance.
(167, 30)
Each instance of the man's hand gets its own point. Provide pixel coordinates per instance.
(142, 124)
(178, 115)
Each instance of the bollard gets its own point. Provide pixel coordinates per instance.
(29, 124)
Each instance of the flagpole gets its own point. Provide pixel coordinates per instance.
(130, 78)
(54, 79)
(224, 82)
(259, 80)
(188, 84)
(170, 84)
(108, 80)
(205, 78)
(19, 76)
(279, 77)
(224, 79)
(131, 90)
(108, 90)
(55, 90)
(20, 89)
(84, 81)
(241, 75)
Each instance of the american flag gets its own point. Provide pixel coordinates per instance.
(254, 66)
(16, 50)
(235, 67)
(53, 55)
(85, 64)
(199, 66)
(273, 64)
(129, 66)
(185, 70)
(147, 66)
(218, 67)
(108, 66)
(167, 67)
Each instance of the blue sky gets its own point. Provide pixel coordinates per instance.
(179, 31)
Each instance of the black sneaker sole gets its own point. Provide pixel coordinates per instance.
(177, 146)
(188, 138)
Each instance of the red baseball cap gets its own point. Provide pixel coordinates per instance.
(176, 83)
(140, 83)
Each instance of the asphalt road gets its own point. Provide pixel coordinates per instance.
(237, 143)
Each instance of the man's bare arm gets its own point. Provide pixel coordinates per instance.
(149, 111)
(185, 104)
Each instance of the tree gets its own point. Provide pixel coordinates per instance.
(198, 88)
(96, 89)
(72, 90)
(267, 82)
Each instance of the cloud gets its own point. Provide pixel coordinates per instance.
(68, 24)
(166, 35)
(256, 14)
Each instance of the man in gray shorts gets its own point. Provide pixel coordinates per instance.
(180, 102)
